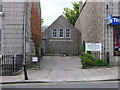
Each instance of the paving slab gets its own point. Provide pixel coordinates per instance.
(64, 69)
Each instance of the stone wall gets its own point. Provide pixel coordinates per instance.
(90, 23)
(12, 34)
(15, 13)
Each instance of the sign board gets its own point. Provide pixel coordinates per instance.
(93, 46)
(34, 59)
(109, 19)
(113, 20)
(116, 21)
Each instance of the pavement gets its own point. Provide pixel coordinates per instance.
(63, 69)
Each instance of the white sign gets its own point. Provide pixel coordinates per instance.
(93, 46)
(35, 59)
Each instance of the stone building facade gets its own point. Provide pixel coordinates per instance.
(61, 37)
(92, 23)
(16, 28)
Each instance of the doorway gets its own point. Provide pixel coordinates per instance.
(116, 40)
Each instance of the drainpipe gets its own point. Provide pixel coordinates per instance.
(24, 32)
(104, 3)
(24, 63)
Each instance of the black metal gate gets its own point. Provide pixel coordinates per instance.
(10, 64)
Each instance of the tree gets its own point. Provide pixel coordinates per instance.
(72, 14)
(36, 28)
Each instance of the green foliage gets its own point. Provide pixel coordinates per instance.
(86, 61)
(72, 14)
(88, 56)
(99, 63)
(37, 51)
(83, 47)
(90, 60)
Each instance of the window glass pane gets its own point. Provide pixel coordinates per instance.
(54, 33)
(68, 33)
(61, 33)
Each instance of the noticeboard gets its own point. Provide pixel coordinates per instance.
(93, 46)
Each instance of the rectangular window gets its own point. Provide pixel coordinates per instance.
(61, 33)
(54, 33)
(68, 33)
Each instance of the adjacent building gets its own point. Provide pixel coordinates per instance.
(15, 28)
(99, 22)
(61, 37)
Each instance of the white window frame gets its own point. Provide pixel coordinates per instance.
(60, 32)
(69, 33)
(53, 34)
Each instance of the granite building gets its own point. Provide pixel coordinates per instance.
(15, 28)
(61, 37)
(99, 22)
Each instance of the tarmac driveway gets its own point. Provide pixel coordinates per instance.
(59, 62)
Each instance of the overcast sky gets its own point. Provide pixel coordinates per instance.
(52, 9)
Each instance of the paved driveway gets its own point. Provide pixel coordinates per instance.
(63, 69)
(59, 62)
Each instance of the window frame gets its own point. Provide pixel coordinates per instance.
(60, 33)
(69, 33)
(53, 33)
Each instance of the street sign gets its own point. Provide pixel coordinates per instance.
(109, 19)
(113, 20)
(116, 21)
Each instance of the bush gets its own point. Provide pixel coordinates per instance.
(100, 63)
(90, 60)
(88, 56)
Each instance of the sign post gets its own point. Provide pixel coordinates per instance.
(93, 47)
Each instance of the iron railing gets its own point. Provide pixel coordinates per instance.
(10, 64)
